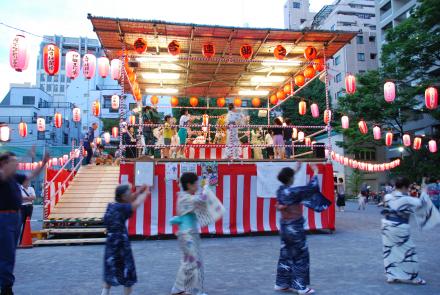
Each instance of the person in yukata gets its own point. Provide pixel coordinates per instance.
(119, 267)
(293, 272)
(234, 117)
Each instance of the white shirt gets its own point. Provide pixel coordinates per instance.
(183, 120)
(269, 139)
(31, 192)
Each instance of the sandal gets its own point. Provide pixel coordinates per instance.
(306, 291)
(282, 289)
(418, 281)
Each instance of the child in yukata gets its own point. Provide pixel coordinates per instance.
(119, 267)
(293, 265)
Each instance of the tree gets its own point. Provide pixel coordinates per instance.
(355, 181)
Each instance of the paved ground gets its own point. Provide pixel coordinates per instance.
(348, 262)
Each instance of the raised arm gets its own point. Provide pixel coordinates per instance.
(140, 195)
(37, 171)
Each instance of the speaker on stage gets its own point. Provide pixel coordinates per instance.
(319, 150)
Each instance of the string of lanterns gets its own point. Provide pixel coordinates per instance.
(354, 164)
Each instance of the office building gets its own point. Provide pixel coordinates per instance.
(297, 14)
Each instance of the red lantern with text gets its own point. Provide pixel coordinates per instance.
(132, 119)
(431, 98)
(327, 116)
(389, 139)
(193, 101)
(300, 80)
(432, 145)
(363, 128)
(314, 110)
(116, 69)
(309, 72)
(345, 122)
(287, 89)
(221, 102)
(281, 95)
(318, 64)
(417, 144)
(154, 100)
(256, 102)
(22, 129)
(389, 91)
(76, 115)
(208, 50)
(96, 108)
(103, 66)
(280, 52)
(237, 102)
(115, 102)
(115, 132)
(406, 140)
(51, 59)
(89, 66)
(302, 108)
(140, 45)
(58, 120)
(174, 101)
(73, 64)
(41, 124)
(350, 84)
(377, 133)
(246, 51)
(310, 53)
(273, 99)
(18, 54)
(174, 48)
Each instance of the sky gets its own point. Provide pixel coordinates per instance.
(69, 18)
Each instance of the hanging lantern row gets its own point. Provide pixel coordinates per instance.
(431, 95)
(363, 165)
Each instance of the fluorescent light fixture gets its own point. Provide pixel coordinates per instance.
(157, 58)
(161, 90)
(285, 63)
(161, 76)
(401, 149)
(267, 79)
(253, 92)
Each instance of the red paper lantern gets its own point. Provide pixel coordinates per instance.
(41, 124)
(154, 100)
(18, 54)
(132, 119)
(193, 101)
(106, 136)
(256, 102)
(115, 132)
(389, 139)
(287, 89)
(58, 120)
(174, 48)
(387, 166)
(140, 45)
(237, 102)
(281, 95)
(417, 144)
(89, 66)
(280, 52)
(350, 84)
(246, 51)
(309, 72)
(318, 64)
(116, 69)
(174, 101)
(345, 122)
(406, 140)
(389, 91)
(355, 164)
(98, 140)
(327, 116)
(363, 128)
(22, 129)
(302, 108)
(307, 141)
(310, 52)
(432, 144)
(314, 110)
(76, 115)
(103, 66)
(431, 98)
(273, 99)
(96, 108)
(73, 64)
(208, 50)
(51, 59)
(221, 101)
(294, 133)
(300, 80)
(115, 102)
(377, 133)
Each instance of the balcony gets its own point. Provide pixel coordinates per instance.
(59, 105)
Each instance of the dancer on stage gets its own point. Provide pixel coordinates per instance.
(194, 208)
(234, 117)
(119, 267)
(293, 272)
(184, 120)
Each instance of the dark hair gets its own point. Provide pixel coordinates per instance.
(278, 121)
(167, 117)
(432, 180)
(188, 178)
(288, 121)
(5, 157)
(341, 179)
(183, 111)
(231, 106)
(401, 182)
(286, 174)
(120, 191)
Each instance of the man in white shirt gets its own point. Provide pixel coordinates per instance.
(28, 196)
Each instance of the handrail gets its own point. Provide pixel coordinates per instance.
(59, 171)
(68, 178)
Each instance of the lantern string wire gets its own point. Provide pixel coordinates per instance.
(27, 32)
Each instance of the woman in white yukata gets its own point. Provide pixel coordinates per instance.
(234, 117)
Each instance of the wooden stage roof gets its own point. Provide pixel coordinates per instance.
(224, 75)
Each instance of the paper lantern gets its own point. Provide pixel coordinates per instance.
(392, 164)
(193, 101)
(255, 102)
(287, 89)
(355, 164)
(221, 101)
(309, 72)
(208, 50)
(300, 80)
(307, 141)
(174, 48)
(58, 120)
(432, 144)
(51, 59)
(333, 155)
(302, 108)
(376, 133)
(140, 45)
(98, 140)
(389, 91)
(246, 51)
(73, 64)
(103, 66)
(294, 133)
(115, 69)
(363, 128)
(417, 144)
(18, 53)
(55, 161)
(89, 66)
(96, 108)
(22, 129)
(154, 100)
(281, 95)
(327, 116)
(132, 119)
(315, 110)
(300, 136)
(387, 166)
(310, 53)
(318, 64)
(431, 98)
(345, 161)
(115, 102)
(237, 102)
(76, 115)
(389, 138)
(280, 52)
(406, 140)
(350, 84)
(397, 161)
(41, 124)
(273, 99)
(174, 101)
(115, 132)
(65, 158)
(106, 136)
(345, 122)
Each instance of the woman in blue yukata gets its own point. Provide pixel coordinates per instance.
(119, 267)
(293, 265)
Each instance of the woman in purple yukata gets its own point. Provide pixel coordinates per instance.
(293, 272)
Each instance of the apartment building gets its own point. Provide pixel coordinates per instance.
(297, 14)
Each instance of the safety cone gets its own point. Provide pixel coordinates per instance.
(26, 241)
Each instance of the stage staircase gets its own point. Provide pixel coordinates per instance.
(77, 217)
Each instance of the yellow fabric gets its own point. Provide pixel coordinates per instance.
(167, 132)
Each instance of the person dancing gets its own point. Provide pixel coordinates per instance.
(234, 117)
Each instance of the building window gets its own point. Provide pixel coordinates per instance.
(42, 87)
(361, 71)
(49, 87)
(296, 5)
(42, 77)
(338, 78)
(372, 38)
(55, 78)
(49, 78)
(373, 55)
(132, 106)
(41, 135)
(333, 27)
(55, 88)
(339, 94)
(61, 88)
(360, 39)
(65, 138)
(28, 100)
(361, 56)
(68, 80)
(337, 60)
(367, 155)
(63, 78)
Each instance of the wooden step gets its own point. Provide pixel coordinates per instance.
(78, 210)
(84, 205)
(93, 230)
(76, 215)
(100, 200)
(69, 241)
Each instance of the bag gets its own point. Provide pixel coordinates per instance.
(212, 211)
